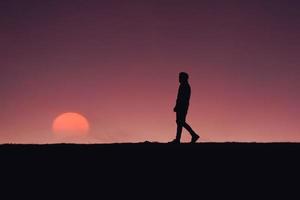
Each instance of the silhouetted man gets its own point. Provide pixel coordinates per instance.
(181, 108)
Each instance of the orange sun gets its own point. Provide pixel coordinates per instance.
(70, 124)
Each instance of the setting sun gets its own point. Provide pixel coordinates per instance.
(70, 124)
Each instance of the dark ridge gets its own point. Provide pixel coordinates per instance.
(150, 167)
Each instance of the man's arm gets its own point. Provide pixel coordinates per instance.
(177, 100)
(176, 105)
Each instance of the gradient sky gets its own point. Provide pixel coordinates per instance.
(117, 62)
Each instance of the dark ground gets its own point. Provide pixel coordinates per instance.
(152, 168)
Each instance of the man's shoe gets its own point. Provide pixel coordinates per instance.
(175, 141)
(194, 139)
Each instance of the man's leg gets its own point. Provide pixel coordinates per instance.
(179, 131)
(194, 135)
(180, 120)
(189, 129)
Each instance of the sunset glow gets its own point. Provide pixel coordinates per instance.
(117, 63)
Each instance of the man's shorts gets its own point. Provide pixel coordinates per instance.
(181, 116)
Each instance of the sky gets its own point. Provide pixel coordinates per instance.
(116, 62)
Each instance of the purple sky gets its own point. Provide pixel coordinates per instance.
(116, 62)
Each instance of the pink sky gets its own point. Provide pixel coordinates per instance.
(117, 63)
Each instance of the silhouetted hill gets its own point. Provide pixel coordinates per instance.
(151, 167)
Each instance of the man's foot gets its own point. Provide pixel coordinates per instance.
(175, 141)
(194, 138)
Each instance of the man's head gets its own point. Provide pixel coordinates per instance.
(183, 77)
